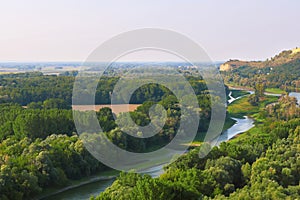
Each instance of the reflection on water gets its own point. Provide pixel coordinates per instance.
(241, 125)
(86, 191)
(297, 95)
(82, 192)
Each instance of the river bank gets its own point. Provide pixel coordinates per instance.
(104, 176)
(93, 186)
(84, 191)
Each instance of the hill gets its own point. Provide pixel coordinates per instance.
(284, 57)
(281, 71)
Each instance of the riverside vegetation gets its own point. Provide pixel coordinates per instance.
(262, 163)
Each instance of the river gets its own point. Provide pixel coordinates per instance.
(85, 191)
(232, 99)
(240, 126)
(94, 188)
(296, 95)
(82, 192)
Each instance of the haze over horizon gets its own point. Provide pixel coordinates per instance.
(33, 31)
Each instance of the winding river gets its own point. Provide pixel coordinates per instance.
(85, 191)
(240, 126)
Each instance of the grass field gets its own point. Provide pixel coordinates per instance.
(242, 107)
(117, 108)
(237, 93)
(3, 73)
(275, 91)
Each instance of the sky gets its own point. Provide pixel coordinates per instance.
(69, 30)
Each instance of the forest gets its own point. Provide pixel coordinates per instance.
(40, 148)
(39, 145)
(33, 89)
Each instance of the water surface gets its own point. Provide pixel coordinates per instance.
(297, 95)
(82, 192)
(241, 125)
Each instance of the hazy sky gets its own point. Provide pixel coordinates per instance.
(68, 30)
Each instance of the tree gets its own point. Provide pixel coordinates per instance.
(35, 105)
(55, 103)
(253, 99)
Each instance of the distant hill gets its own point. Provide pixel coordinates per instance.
(281, 71)
(284, 57)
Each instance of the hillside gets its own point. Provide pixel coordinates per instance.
(281, 71)
(284, 57)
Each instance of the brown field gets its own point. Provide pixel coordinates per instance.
(117, 108)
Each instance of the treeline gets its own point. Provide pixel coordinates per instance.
(49, 104)
(36, 87)
(34, 123)
(264, 166)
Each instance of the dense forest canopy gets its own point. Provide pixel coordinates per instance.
(261, 166)
(37, 88)
(40, 148)
(39, 145)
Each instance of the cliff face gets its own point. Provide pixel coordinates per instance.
(233, 64)
(280, 59)
(226, 67)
